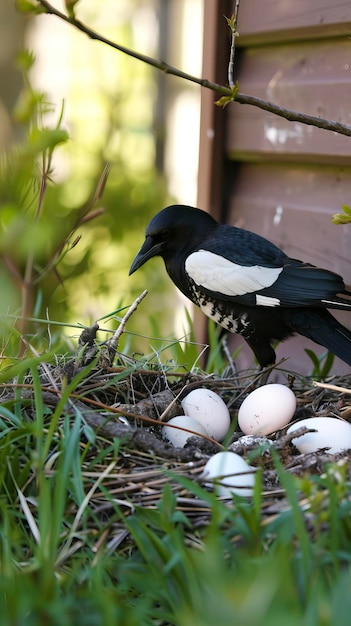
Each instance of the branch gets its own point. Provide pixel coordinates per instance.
(233, 25)
(112, 343)
(231, 95)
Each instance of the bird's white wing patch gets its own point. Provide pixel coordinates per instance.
(217, 273)
(267, 301)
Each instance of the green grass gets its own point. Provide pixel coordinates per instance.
(76, 549)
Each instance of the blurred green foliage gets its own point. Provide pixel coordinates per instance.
(66, 255)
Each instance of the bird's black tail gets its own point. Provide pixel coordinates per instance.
(323, 328)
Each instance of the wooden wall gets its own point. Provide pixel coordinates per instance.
(281, 179)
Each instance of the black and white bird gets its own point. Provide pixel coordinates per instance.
(247, 284)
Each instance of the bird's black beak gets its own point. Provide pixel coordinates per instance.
(146, 252)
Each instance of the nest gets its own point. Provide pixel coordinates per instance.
(124, 406)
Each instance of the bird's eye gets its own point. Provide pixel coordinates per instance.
(165, 233)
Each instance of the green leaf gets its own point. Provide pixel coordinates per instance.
(327, 365)
(321, 364)
(89, 433)
(46, 139)
(230, 20)
(70, 4)
(343, 218)
(224, 100)
(27, 105)
(29, 6)
(25, 60)
(339, 218)
(314, 358)
(232, 23)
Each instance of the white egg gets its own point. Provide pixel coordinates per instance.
(231, 474)
(266, 409)
(179, 437)
(331, 433)
(209, 409)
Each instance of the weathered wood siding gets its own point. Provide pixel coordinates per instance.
(284, 179)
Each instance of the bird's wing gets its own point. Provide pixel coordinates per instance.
(304, 285)
(292, 284)
(218, 274)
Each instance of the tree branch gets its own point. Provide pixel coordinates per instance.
(233, 25)
(291, 116)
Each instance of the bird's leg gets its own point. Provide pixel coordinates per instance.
(265, 356)
(262, 350)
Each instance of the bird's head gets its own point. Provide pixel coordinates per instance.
(173, 231)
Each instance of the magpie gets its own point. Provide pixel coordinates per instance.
(246, 284)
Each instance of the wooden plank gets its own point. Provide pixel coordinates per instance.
(279, 20)
(210, 168)
(293, 206)
(309, 78)
(277, 178)
(215, 58)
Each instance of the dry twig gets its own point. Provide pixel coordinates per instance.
(331, 387)
(233, 25)
(112, 343)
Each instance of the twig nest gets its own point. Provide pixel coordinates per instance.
(266, 409)
(210, 410)
(230, 474)
(330, 432)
